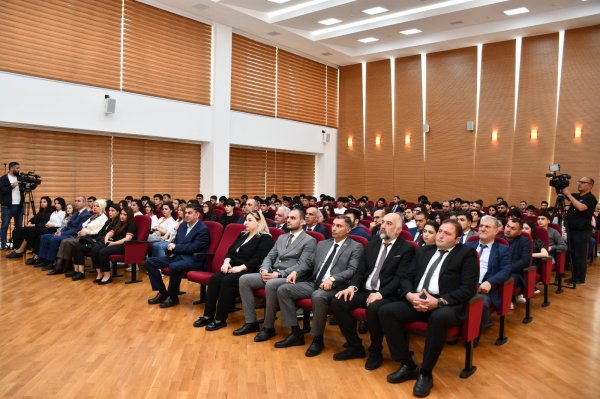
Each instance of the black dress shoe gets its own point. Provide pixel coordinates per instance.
(265, 334)
(30, 261)
(14, 255)
(315, 348)
(49, 267)
(202, 321)
(104, 282)
(43, 263)
(247, 329)
(70, 274)
(169, 302)
(374, 361)
(159, 298)
(291, 340)
(54, 272)
(350, 353)
(97, 280)
(216, 325)
(363, 328)
(423, 385)
(78, 276)
(404, 373)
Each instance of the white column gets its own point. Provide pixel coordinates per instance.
(215, 154)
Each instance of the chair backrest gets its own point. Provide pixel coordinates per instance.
(405, 234)
(215, 229)
(327, 226)
(501, 240)
(473, 238)
(414, 244)
(316, 235)
(275, 233)
(542, 234)
(330, 219)
(142, 224)
(530, 219)
(269, 221)
(557, 228)
(219, 212)
(230, 234)
(524, 234)
(365, 223)
(238, 211)
(365, 229)
(359, 239)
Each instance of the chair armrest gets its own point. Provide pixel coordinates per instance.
(472, 323)
(506, 290)
(201, 254)
(529, 276)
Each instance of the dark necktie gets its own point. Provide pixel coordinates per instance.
(379, 266)
(325, 266)
(309, 229)
(289, 241)
(481, 248)
(432, 269)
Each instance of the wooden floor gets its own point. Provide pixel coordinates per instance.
(65, 339)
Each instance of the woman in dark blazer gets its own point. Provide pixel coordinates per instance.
(244, 256)
(36, 224)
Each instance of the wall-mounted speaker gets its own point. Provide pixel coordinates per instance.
(326, 137)
(426, 128)
(110, 105)
(470, 126)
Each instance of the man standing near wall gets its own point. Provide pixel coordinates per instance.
(11, 195)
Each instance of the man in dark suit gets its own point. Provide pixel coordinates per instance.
(442, 279)
(312, 222)
(375, 225)
(11, 200)
(420, 220)
(519, 250)
(357, 229)
(281, 216)
(334, 264)
(375, 283)
(192, 237)
(494, 265)
(292, 252)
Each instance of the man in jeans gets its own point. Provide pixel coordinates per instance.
(12, 198)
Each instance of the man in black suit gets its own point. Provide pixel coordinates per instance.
(385, 262)
(281, 216)
(441, 281)
(192, 237)
(312, 222)
(11, 200)
(375, 225)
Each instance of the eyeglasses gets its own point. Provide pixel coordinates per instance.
(584, 182)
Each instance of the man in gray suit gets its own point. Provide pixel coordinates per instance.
(465, 219)
(292, 252)
(334, 264)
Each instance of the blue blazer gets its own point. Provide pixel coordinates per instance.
(196, 241)
(75, 223)
(321, 229)
(498, 268)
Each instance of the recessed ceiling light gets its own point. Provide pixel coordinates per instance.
(279, 1)
(515, 11)
(200, 6)
(410, 31)
(330, 21)
(368, 40)
(375, 10)
(273, 33)
(456, 22)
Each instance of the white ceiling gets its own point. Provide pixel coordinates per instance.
(445, 24)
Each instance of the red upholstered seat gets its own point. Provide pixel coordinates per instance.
(230, 234)
(275, 233)
(135, 250)
(359, 239)
(366, 223)
(328, 227)
(405, 234)
(316, 235)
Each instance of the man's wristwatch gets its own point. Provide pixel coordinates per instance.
(332, 279)
(441, 302)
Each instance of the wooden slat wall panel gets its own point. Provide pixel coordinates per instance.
(350, 161)
(579, 106)
(379, 175)
(332, 96)
(61, 159)
(166, 55)
(253, 76)
(75, 41)
(408, 165)
(145, 167)
(536, 108)
(301, 88)
(246, 172)
(451, 102)
(496, 112)
(295, 173)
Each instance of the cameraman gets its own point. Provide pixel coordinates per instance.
(11, 198)
(579, 226)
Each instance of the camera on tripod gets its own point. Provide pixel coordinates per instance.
(558, 181)
(30, 180)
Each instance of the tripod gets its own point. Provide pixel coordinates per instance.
(28, 206)
(561, 214)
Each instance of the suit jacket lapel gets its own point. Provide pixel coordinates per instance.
(296, 241)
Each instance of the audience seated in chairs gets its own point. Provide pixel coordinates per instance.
(163, 231)
(281, 218)
(149, 209)
(539, 251)
(557, 243)
(56, 220)
(229, 216)
(136, 206)
(357, 230)
(93, 244)
(37, 223)
(312, 222)
(430, 296)
(244, 256)
(124, 230)
(335, 262)
(385, 261)
(519, 252)
(208, 213)
(89, 228)
(292, 251)
(420, 218)
(49, 243)
(375, 225)
(192, 237)
(251, 205)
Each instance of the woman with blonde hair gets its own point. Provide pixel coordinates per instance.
(245, 255)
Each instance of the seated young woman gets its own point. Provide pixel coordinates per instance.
(163, 229)
(245, 255)
(114, 241)
(35, 224)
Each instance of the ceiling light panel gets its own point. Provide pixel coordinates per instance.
(375, 10)
(516, 11)
(368, 40)
(330, 21)
(279, 1)
(410, 31)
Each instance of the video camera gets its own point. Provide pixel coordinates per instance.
(558, 181)
(30, 180)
